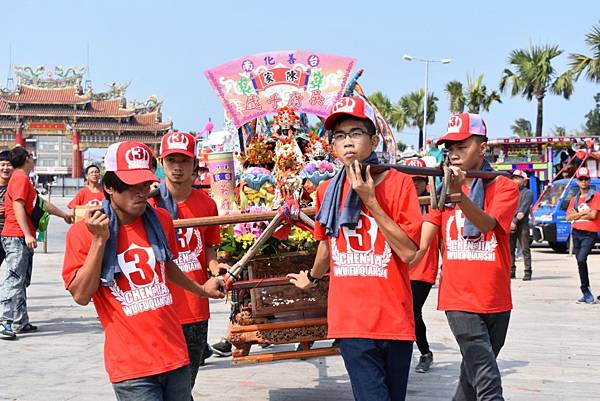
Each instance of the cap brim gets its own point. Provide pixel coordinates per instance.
(181, 152)
(134, 177)
(454, 137)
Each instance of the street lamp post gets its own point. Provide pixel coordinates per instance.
(407, 57)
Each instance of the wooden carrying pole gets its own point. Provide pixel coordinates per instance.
(263, 216)
(433, 171)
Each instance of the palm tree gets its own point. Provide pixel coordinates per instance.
(475, 97)
(392, 113)
(591, 65)
(412, 107)
(534, 76)
(456, 96)
(521, 127)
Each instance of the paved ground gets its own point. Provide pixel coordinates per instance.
(552, 351)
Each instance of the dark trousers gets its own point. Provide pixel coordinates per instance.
(420, 291)
(583, 242)
(522, 235)
(196, 340)
(378, 369)
(480, 338)
(169, 386)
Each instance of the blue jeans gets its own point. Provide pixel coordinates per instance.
(480, 337)
(378, 369)
(583, 242)
(173, 385)
(16, 277)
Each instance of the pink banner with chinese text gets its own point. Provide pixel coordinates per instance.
(253, 86)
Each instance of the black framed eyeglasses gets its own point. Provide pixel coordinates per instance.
(354, 134)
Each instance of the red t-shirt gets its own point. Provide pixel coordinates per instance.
(143, 336)
(583, 224)
(191, 244)
(476, 272)
(369, 289)
(19, 188)
(85, 197)
(427, 269)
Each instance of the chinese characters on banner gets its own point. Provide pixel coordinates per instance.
(253, 86)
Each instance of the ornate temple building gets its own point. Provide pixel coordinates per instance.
(56, 118)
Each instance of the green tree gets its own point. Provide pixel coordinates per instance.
(559, 131)
(456, 96)
(412, 107)
(592, 119)
(521, 127)
(392, 113)
(589, 64)
(475, 97)
(534, 76)
(400, 146)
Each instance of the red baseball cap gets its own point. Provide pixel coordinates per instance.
(178, 142)
(520, 173)
(130, 161)
(462, 126)
(583, 172)
(350, 106)
(416, 163)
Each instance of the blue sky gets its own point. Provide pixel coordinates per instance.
(164, 47)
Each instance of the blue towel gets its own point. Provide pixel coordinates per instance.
(477, 196)
(587, 200)
(329, 215)
(156, 238)
(165, 200)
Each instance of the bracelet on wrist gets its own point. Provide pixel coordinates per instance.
(312, 279)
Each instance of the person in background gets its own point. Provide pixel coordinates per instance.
(19, 242)
(422, 275)
(91, 194)
(196, 245)
(519, 228)
(584, 212)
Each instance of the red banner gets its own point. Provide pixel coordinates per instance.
(281, 76)
(47, 126)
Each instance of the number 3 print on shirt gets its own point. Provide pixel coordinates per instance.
(138, 264)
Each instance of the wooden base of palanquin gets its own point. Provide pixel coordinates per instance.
(304, 331)
(282, 314)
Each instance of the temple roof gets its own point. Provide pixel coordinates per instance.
(140, 122)
(96, 108)
(62, 100)
(33, 95)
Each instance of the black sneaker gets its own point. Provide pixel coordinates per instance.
(6, 333)
(527, 277)
(424, 364)
(222, 348)
(513, 274)
(28, 328)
